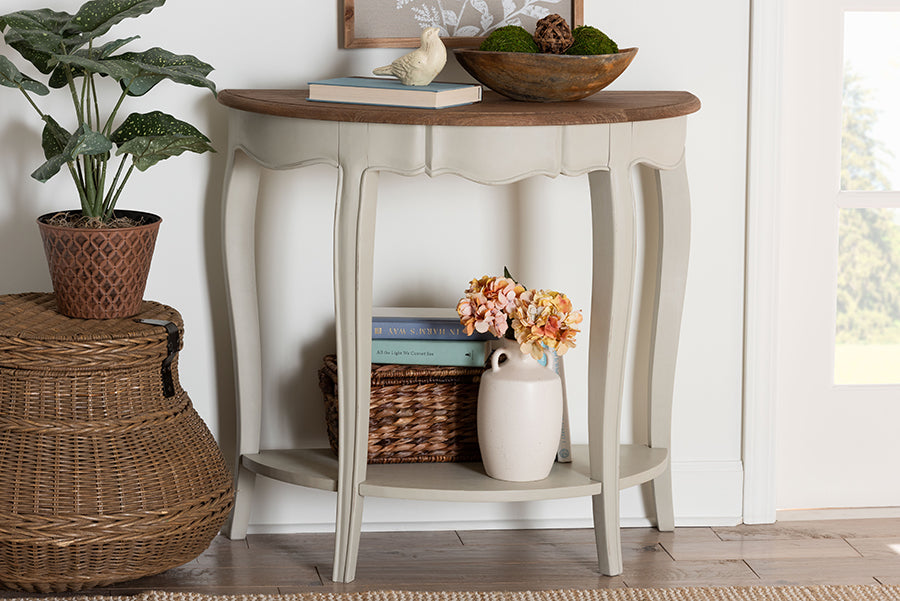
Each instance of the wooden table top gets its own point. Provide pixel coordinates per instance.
(494, 110)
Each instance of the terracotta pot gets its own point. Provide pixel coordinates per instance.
(99, 273)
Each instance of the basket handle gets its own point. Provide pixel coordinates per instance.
(171, 348)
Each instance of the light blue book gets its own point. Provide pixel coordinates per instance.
(418, 323)
(456, 353)
(390, 92)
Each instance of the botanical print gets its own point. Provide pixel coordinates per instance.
(474, 18)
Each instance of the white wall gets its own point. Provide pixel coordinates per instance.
(432, 237)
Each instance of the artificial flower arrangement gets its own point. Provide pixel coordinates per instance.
(536, 319)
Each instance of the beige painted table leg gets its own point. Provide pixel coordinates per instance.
(674, 250)
(239, 223)
(613, 217)
(354, 242)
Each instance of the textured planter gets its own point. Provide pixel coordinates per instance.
(99, 273)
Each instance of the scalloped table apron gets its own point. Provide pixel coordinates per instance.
(603, 137)
(107, 473)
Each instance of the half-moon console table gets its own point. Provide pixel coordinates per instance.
(603, 136)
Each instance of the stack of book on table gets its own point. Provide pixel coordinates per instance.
(390, 92)
(420, 336)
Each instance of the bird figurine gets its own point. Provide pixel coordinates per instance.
(421, 66)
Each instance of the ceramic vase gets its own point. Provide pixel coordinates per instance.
(519, 415)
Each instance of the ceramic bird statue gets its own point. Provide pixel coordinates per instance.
(421, 66)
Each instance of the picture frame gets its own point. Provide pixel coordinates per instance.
(397, 23)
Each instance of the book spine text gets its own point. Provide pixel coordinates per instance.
(458, 353)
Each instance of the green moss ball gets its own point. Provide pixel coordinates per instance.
(590, 40)
(510, 38)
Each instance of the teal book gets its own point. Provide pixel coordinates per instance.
(390, 92)
(456, 353)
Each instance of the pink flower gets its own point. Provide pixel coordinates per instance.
(487, 305)
(540, 318)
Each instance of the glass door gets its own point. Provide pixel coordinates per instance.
(838, 375)
(867, 318)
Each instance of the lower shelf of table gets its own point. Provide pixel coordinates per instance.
(318, 468)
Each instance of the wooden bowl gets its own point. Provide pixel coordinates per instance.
(534, 77)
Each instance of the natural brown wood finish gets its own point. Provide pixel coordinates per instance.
(539, 77)
(606, 106)
(792, 553)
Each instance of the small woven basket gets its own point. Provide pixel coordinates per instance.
(107, 473)
(417, 413)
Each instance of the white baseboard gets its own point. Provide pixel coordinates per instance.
(837, 513)
(706, 493)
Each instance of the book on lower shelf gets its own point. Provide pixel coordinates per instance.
(390, 92)
(420, 323)
(455, 353)
(435, 336)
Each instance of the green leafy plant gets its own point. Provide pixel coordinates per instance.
(64, 48)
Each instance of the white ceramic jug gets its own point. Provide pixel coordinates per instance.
(519, 415)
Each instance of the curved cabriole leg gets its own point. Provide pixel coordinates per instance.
(238, 223)
(612, 210)
(674, 251)
(354, 240)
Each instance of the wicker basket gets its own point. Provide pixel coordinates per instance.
(417, 413)
(107, 473)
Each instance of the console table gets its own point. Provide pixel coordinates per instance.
(603, 136)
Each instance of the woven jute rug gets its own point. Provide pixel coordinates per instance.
(735, 593)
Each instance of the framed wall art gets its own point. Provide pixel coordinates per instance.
(398, 23)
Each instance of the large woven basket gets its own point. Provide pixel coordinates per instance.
(417, 413)
(107, 473)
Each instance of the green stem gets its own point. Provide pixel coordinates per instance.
(78, 109)
(41, 113)
(101, 179)
(107, 203)
(80, 172)
(109, 122)
(85, 102)
(89, 77)
(115, 199)
(85, 208)
(90, 187)
(31, 102)
(96, 99)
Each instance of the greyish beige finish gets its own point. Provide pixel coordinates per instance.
(602, 137)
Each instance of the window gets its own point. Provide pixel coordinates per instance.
(867, 319)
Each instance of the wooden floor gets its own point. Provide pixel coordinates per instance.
(822, 552)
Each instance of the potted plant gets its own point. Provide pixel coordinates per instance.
(99, 256)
